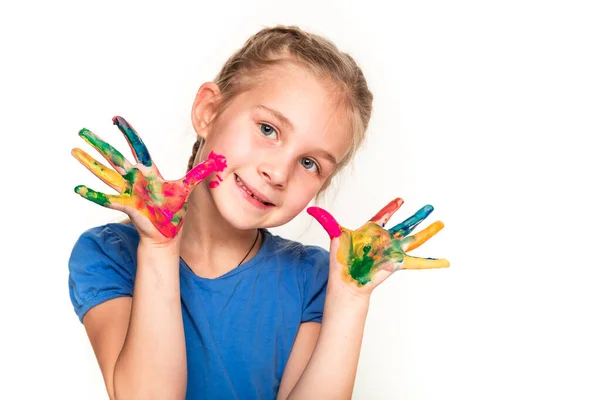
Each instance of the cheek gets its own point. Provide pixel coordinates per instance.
(232, 142)
(305, 189)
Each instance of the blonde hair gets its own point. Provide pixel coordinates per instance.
(289, 44)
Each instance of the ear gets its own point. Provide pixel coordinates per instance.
(205, 107)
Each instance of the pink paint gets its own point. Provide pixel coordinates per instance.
(326, 220)
(214, 163)
(214, 184)
(162, 202)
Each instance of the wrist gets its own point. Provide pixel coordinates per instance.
(170, 247)
(343, 293)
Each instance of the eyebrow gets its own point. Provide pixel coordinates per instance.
(279, 116)
(327, 156)
(284, 121)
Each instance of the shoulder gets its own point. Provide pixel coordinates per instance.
(310, 264)
(305, 257)
(102, 265)
(111, 239)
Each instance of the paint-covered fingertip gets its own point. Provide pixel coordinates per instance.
(118, 120)
(81, 190)
(428, 208)
(83, 132)
(326, 220)
(219, 160)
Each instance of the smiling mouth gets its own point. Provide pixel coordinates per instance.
(241, 184)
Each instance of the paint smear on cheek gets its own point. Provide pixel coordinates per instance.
(215, 183)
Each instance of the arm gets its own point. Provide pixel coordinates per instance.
(359, 261)
(303, 347)
(139, 342)
(336, 353)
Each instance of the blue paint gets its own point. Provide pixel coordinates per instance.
(408, 225)
(139, 148)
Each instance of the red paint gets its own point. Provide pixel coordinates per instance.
(386, 212)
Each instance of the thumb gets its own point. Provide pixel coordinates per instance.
(326, 220)
(214, 163)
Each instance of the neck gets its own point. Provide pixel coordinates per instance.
(210, 246)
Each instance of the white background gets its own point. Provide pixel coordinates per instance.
(489, 111)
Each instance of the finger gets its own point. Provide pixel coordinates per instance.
(408, 225)
(107, 175)
(413, 241)
(102, 199)
(326, 220)
(383, 216)
(137, 146)
(112, 155)
(214, 163)
(411, 262)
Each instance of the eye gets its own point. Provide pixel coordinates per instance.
(310, 164)
(268, 130)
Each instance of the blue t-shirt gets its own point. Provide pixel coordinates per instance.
(239, 327)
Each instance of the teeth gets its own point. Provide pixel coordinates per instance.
(237, 179)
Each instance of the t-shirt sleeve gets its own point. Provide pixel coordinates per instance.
(316, 274)
(100, 268)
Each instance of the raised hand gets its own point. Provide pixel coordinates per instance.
(372, 253)
(141, 187)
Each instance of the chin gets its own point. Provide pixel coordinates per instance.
(242, 217)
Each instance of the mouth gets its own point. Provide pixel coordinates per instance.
(253, 193)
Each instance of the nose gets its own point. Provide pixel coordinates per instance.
(275, 171)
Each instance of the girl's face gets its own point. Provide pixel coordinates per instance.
(282, 140)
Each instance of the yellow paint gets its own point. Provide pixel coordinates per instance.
(107, 175)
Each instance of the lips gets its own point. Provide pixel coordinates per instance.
(253, 192)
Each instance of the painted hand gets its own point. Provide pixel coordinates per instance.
(141, 186)
(372, 253)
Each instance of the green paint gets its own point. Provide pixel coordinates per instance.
(130, 177)
(178, 216)
(394, 251)
(106, 149)
(154, 190)
(176, 220)
(99, 166)
(360, 268)
(92, 195)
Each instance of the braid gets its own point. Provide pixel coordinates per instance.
(194, 152)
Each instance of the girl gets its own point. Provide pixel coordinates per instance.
(218, 307)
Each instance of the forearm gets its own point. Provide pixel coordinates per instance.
(152, 363)
(331, 371)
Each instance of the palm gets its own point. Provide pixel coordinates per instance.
(364, 252)
(141, 186)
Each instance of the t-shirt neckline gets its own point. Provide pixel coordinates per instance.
(266, 239)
